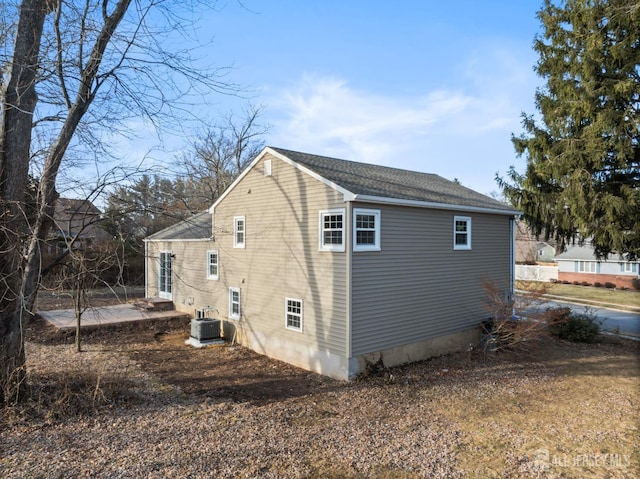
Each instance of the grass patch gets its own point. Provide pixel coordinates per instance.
(571, 414)
(556, 410)
(605, 295)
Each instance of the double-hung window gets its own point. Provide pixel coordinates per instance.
(628, 267)
(212, 265)
(293, 314)
(332, 230)
(234, 303)
(366, 230)
(461, 232)
(239, 232)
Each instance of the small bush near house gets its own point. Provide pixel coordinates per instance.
(598, 284)
(636, 283)
(513, 323)
(609, 285)
(576, 327)
(577, 283)
(585, 283)
(553, 280)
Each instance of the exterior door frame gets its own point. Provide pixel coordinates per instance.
(164, 275)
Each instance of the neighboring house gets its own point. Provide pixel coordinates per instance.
(332, 265)
(579, 263)
(76, 221)
(526, 244)
(529, 249)
(545, 253)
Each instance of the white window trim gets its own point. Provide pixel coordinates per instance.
(331, 247)
(366, 247)
(161, 287)
(209, 254)
(233, 315)
(286, 314)
(466, 246)
(267, 167)
(588, 267)
(237, 219)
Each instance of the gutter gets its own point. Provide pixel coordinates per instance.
(431, 205)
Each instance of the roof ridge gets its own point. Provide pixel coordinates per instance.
(379, 181)
(333, 158)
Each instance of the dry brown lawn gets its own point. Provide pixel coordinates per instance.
(140, 403)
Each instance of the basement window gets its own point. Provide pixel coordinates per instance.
(293, 314)
(234, 303)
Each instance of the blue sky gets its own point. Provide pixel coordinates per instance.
(424, 85)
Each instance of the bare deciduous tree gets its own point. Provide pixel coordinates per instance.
(221, 153)
(71, 69)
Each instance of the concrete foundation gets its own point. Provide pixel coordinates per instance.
(417, 351)
(342, 368)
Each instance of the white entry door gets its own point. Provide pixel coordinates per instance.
(165, 275)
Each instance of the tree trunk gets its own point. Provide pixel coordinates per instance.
(19, 98)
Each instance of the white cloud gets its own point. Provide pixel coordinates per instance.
(326, 115)
(463, 131)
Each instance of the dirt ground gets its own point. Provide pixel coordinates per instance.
(141, 403)
(229, 371)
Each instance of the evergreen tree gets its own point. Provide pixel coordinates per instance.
(582, 180)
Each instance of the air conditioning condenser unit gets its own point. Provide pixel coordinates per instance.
(205, 329)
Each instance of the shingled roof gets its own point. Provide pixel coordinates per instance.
(197, 227)
(375, 181)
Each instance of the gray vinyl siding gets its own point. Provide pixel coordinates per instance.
(418, 287)
(281, 258)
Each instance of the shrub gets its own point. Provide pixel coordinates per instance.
(609, 285)
(598, 284)
(577, 283)
(585, 283)
(557, 315)
(577, 327)
(636, 283)
(514, 323)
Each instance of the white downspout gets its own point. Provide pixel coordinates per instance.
(512, 254)
(348, 257)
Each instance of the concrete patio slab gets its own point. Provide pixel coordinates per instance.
(64, 319)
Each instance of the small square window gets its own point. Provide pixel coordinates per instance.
(238, 232)
(332, 230)
(293, 314)
(461, 232)
(212, 264)
(366, 227)
(234, 303)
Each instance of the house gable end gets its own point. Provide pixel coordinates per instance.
(348, 195)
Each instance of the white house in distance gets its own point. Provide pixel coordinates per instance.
(579, 263)
(331, 265)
